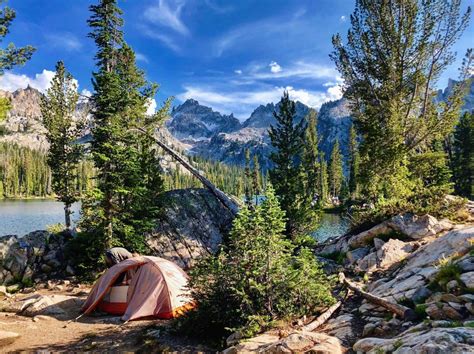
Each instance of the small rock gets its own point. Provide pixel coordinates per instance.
(452, 285)
(368, 329)
(470, 307)
(455, 305)
(38, 318)
(70, 270)
(421, 294)
(468, 279)
(466, 297)
(451, 313)
(394, 322)
(435, 312)
(440, 323)
(3, 291)
(7, 338)
(466, 265)
(46, 268)
(359, 253)
(450, 298)
(378, 243)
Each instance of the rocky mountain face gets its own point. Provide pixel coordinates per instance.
(24, 124)
(443, 95)
(193, 122)
(229, 146)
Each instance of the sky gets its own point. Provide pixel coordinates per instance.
(230, 55)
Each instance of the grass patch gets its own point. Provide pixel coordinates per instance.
(447, 271)
(420, 310)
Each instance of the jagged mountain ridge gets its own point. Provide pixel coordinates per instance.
(229, 145)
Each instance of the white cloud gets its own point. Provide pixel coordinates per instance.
(12, 82)
(141, 57)
(275, 67)
(86, 93)
(343, 18)
(299, 69)
(167, 13)
(238, 72)
(243, 102)
(151, 107)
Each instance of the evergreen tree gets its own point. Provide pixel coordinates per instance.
(57, 108)
(311, 164)
(395, 52)
(256, 179)
(354, 161)
(10, 56)
(336, 175)
(323, 180)
(463, 159)
(248, 179)
(256, 279)
(126, 200)
(287, 138)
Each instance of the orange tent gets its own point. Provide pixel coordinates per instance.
(157, 288)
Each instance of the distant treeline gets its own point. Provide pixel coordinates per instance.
(24, 173)
(228, 178)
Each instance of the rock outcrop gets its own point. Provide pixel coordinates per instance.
(193, 224)
(38, 254)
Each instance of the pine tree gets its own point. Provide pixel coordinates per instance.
(128, 173)
(336, 175)
(256, 279)
(323, 180)
(395, 52)
(10, 56)
(248, 179)
(354, 161)
(256, 179)
(311, 164)
(287, 138)
(57, 108)
(463, 159)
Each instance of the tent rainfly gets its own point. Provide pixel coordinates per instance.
(157, 288)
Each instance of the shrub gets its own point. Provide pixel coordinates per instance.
(257, 279)
(55, 228)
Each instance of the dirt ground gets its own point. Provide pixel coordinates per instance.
(94, 333)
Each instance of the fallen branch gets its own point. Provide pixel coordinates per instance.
(400, 310)
(224, 199)
(322, 318)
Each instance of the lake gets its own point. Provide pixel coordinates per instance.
(331, 225)
(19, 217)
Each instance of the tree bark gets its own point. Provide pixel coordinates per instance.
(67, 216)
(400, 310)
(322, 318)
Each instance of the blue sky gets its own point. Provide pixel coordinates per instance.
(230, 55)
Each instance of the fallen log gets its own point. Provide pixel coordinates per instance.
(400, 310)
(322, 318)
(220, 195)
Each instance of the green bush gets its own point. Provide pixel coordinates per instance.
(257, 279)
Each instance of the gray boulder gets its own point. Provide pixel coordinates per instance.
(193, 224)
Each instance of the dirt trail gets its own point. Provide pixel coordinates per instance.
(97, 332)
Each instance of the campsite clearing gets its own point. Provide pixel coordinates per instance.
(97, 332)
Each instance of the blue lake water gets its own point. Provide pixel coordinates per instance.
(19, 217)
(331, 225)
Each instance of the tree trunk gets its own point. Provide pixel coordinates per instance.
(322, 318)
(400, 310)
(67, 216)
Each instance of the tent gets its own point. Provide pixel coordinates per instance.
(156, 289)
